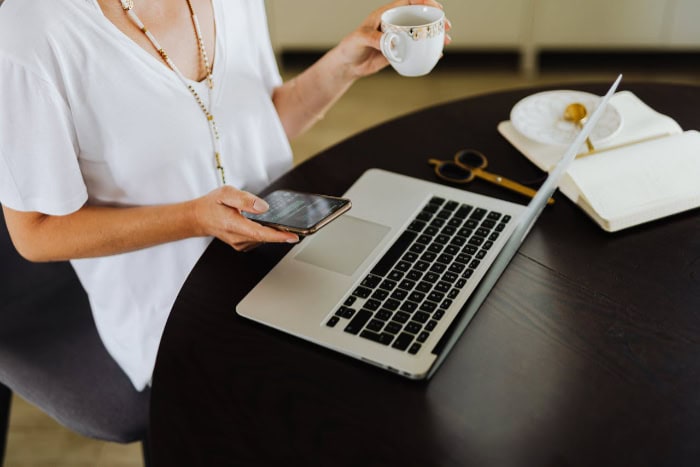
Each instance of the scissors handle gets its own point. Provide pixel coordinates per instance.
(507, 183)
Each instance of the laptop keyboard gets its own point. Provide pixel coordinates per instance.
(400, 302)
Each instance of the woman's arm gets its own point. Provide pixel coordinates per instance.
(101, 231)
(304, 100)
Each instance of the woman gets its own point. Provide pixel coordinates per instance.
(132, 132)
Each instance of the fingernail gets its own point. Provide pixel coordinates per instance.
(293, 240)
(260, 205)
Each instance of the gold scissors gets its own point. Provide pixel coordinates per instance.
(469, 164)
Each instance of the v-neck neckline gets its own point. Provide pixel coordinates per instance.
(156, 63)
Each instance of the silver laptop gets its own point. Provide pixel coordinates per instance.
(396, 280)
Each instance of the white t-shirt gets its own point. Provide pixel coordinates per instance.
(88, 116)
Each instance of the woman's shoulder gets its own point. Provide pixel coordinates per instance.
(16, 14)
(20, 19)
(32, 30)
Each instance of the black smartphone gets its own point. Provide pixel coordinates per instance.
(300, 213)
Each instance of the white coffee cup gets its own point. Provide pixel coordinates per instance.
(413, 38)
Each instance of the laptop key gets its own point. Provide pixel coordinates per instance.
(458, 240)
(450, 277)
(399, 294)
(443, 287)
(415, 348)
(421, 317)
(362, 292)
(431, 277)
(431, 208)
(418, 225)
(401, 317)
(383, 314)
(371, 281)
(421, 218)
(455, 222)
(416, 249)
(395, 276)
(391, 304)
(413, 327)
(358, 322)
(402, 342)
(437, 223)
(384, 339)
(451, 205)
(431, 231)
(394, 253)
(416, 296)
(444, 214)
(414, 275)
(478, 214)
(435, 248)
(411, 256)
(380, 294)
(436, 296)
(463, 211)
(333, 321)
(487, 224)
(421, 266)
(345, 312)
(375, 325)
(409, 307)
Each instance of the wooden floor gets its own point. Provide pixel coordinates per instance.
(36, 440)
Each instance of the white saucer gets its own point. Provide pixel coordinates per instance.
(540, 117)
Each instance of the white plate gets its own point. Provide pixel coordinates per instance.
(540, 117)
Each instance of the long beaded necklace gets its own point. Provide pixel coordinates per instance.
(128, 6)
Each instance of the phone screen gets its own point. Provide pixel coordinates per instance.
(299, 212)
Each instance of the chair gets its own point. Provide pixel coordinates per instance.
(52, 356)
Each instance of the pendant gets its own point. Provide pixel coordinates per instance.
(127, 4)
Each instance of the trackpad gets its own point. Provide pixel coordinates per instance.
(343, 244)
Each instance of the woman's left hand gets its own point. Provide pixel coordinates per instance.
(360, 51)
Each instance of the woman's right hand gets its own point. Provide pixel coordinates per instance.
(219, 214)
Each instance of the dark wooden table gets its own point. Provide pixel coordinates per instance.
(587, 352)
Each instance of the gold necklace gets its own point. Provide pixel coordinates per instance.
(128, 6)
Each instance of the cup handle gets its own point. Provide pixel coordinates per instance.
(391, 46)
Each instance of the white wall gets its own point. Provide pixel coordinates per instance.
(525, 26)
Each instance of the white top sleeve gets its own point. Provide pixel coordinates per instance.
(38, 158)
(269, 71)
